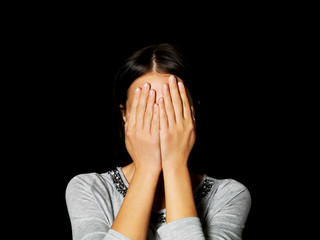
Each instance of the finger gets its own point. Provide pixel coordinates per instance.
(141, 108)
(155, 126)
(149, 111)
(176, 98)
(185, 101)
(168, 104)
(133, 108)
(163, 115)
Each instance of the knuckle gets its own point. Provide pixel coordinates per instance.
(129, 132)
(188, 125)
(191, 125)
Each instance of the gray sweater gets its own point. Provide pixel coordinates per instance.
(93, 201)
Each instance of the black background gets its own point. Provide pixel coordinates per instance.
(71, 59)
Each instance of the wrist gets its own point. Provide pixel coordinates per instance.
(171, 167)
(174, 164)
(152, 170)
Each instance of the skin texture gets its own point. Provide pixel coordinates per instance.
(160, 134)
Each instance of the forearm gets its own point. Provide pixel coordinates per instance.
(178, 193)
(134, 214)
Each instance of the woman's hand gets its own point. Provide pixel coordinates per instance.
(142, 130)
(142, 139)
(177, 125)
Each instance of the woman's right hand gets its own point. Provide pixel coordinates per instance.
(142, 130)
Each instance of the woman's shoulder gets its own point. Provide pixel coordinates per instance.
(226, 189)
(91, 180)
(225, 199)
(226, 184)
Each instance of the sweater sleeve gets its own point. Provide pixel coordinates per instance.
(226, 220)
(227, 212)
(87, 219)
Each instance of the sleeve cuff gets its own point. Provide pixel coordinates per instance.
(185, 228)
(114, 235)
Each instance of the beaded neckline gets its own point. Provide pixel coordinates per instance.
(118, 182)
(160, 217)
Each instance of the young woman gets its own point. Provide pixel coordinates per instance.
(154, 194)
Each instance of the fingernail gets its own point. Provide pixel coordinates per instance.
(137, 90)
(165, 86)
(146, 86)
(172, 79)
(151, 93)
(180, 84)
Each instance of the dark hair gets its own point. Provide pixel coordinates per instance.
(162, 58)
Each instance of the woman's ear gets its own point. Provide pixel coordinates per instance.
(123, 112)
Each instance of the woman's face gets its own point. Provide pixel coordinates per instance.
(156, 81)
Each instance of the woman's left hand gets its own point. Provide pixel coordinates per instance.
(177, 124)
